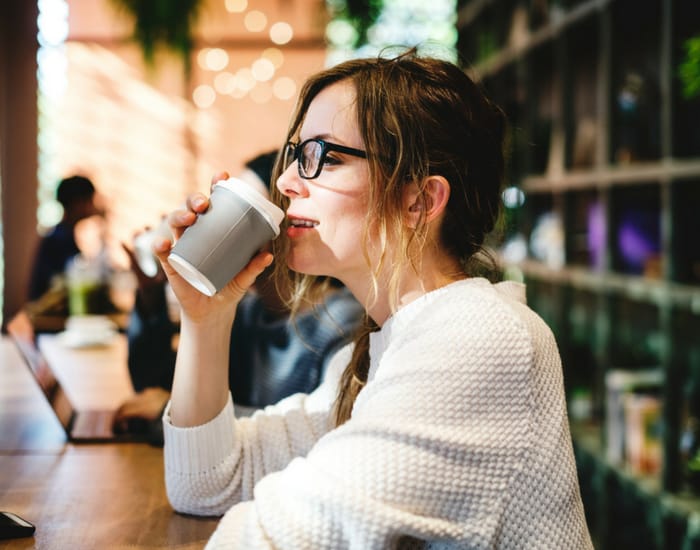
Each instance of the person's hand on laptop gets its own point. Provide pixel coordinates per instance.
(143, 408)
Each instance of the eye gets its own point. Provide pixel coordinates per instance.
(331, 159)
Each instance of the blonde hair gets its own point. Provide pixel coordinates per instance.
(418, 117)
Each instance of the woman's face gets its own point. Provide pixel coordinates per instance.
(327, 214)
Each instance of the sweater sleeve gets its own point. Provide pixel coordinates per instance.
(211, 467)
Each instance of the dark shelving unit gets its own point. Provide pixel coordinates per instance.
(606, 147)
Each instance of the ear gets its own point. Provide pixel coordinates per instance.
(430, 204)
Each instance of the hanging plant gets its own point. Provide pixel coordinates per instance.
(689, 69)
(166, 23)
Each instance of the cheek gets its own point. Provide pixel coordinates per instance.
(343, 230)
(345, 226)
(353, 213)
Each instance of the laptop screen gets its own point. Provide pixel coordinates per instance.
(52, 389)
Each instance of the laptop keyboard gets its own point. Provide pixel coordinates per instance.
(93, 425)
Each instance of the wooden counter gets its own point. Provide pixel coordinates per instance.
(106, 495)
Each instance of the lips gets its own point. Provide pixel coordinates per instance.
(299, 226)
(301, 222)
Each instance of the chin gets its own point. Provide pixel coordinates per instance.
(304, 265)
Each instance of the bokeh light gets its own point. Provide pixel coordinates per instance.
(216, 59)
(263, 69)
(245, 79)
(262, 93)
(284, 88)
(275, 55)
(224, 83)
(236, 6)
(204, 96)
(255, 21)
(281, 33)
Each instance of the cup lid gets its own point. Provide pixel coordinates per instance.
(271, 212)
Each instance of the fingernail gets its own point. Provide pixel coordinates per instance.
(198, 202)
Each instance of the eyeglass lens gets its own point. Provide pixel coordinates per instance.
(290, 152)
(310, 157)
(309, 154)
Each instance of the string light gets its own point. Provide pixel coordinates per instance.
(255, 21)
(216, 59)
(274, 55)
(281, 33)
(236, 6)
(263, 69)
(204, 96)
(247, 81)
(224, 83)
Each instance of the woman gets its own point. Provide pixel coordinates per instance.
(444, 424)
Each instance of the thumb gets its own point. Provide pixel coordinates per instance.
(246, 277)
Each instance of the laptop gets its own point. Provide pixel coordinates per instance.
(80, 426)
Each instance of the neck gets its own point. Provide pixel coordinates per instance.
(412, 286)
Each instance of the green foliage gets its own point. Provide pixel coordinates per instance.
(361, 14)
(166, 23)
(694, 463)
(689, 69)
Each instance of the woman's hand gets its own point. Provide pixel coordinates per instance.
(196, 306)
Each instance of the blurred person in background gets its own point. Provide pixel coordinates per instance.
(48, 299)
(76, 194)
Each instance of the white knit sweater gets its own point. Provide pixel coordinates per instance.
(460, 438)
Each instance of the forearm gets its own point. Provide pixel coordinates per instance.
(210, 468)
(200, 386)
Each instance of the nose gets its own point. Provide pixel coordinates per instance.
(290, 184)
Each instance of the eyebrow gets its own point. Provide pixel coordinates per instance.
(324, 137)
(331, 139)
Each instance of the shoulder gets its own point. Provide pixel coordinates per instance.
(472, 321)
(472, 306)
(467, 345)
(481, 303)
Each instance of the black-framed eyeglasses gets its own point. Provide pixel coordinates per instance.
(311, 155)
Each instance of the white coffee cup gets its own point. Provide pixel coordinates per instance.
(143, 247)
(238, 222)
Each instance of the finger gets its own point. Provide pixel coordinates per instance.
(122, 418)
(179, 220)
(161, 248)
(219, 176)
(197, 202)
